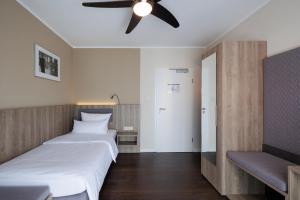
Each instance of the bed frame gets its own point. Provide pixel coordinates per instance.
(22, 129)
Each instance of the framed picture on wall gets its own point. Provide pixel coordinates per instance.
(47, 64)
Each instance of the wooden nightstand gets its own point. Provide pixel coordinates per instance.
(128, 141)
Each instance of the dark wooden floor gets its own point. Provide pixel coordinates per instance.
(155, 176)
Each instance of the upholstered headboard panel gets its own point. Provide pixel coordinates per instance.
(101, 109)
(94, 111)
(282, 102)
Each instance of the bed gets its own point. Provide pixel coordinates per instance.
(57, 164)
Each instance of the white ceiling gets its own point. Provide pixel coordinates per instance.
(202, 22)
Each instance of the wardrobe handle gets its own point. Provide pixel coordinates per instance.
(216, 116)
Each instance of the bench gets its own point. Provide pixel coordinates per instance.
(278, 165)
(269, 169)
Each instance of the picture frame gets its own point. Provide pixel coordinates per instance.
(47, 64)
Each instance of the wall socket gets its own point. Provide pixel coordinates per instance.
(128, 128)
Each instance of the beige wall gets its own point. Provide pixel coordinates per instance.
(278, 23)
(98, 73)
(19, 31)
(152, 58)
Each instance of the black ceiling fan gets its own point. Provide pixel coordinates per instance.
(141, 8)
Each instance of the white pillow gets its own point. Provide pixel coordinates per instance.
(88, 117)
(100, 127)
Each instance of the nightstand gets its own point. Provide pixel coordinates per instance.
(128, 141)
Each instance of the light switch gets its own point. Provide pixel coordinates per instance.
(128, 128)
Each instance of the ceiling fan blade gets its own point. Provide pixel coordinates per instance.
(133, 23)
(165, 15)
(112, 4)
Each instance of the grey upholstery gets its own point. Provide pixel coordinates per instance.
(24, 192)
(94, 111)
(281, 101)
(268, 168)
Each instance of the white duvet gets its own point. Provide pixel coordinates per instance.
(69, 164)
(87, 138)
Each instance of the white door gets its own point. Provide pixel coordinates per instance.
(209, 93)
(174, 110)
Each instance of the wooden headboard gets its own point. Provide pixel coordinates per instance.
(23, 129)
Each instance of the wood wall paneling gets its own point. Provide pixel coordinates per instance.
(128, 115)
(23, 129)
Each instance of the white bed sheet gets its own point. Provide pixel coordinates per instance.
(112, 132)
(72, 138)
(70, 165)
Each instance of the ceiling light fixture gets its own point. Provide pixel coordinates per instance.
(142, 8)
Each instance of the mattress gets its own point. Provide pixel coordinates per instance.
(71, 164)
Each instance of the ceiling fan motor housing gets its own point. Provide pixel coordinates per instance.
(141, 9)
(151, 2)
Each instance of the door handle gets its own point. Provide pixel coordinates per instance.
(162, 109)
(203, 110)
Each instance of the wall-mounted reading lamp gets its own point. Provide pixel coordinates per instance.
(115, 95)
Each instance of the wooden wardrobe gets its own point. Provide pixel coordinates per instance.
(239, 113)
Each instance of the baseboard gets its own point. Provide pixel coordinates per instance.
(147, 150)
(153, 151)
(246, 197)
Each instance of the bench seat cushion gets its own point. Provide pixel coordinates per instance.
(270, 169)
